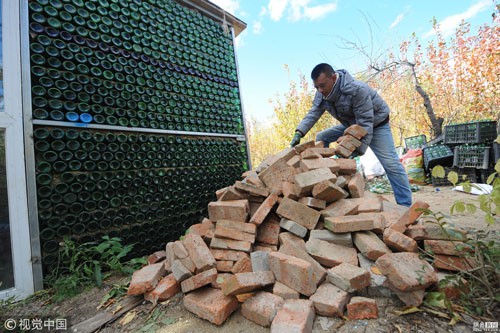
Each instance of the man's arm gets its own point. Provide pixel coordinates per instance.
(363, 112)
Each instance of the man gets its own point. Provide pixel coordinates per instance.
(353, 102)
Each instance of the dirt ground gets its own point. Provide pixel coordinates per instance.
(171, 316)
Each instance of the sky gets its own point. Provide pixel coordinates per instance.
(303, 33)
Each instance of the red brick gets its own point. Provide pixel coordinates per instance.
(189, 264)
(369, 205)
(454, 263)
(251, 189)
(343, 151)
(219, 280)
(231, 193)
(287, 237)
(298, 212)
(410, 298)
(156, 257)
(252, 178)
(378, 223)
(229, 233)
(268, 231)
(229, 244)
(436, 232)
(179, 250)
(309, 154)
(341, 208)
(290, 190)
(356, 186)
(265, 247)
(447, 247)
(348, 277)
(346, 166)
(303, 146)
(241, 283)
(169, 252)
(328, 191)
(199, 280)
(277, 173)
(313, 202)
(299, 251)
(305, 181)
(166, 288)
(264, 209)
(146, 279)
(370, 245)
(294, 162)
(350, 143)
(242, 265)
(180, 271)
(329, 254)
(325, 152)
(329, 300)
(344, 239)
(390, 217)
(199, 252)
(406, 271)
(349, 223)
(205, 229)
(220, 192)
(262, 308)
(399, 241)
(293, 272)
(221, 254)
(279, 289)
(318, 163)
(253, 208)
(356, 131)
(296, 315)
(362, 308)
(224, 265)
(410, 216)
(235, 210)
(211, 304)
(249, 228)
(242, 298)
(341, 181)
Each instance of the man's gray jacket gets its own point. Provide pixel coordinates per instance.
(351, 102)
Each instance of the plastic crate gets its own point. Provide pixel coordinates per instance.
(495, 154)
(437, 155)
(472, 156)
(476, 132)
(415, 142)
(463, 175)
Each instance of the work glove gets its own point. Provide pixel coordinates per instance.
(296, 139)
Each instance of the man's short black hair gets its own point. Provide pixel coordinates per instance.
(322, 68)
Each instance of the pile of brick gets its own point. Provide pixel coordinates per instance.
(296, 238)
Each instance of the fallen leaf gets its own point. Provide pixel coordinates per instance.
(412, 309)
(375, 270)
(118, 308)
(128, 318)
(399, 328)
(438, 313)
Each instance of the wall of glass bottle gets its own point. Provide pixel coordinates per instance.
(150, 64)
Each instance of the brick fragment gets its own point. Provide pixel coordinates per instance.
(179, 250)
(328, 191)
(303, 146)
(454, 263)
(293, 272)
(299, 251)
(265, 247)
(165, 289)
(376, 279)
(410, 298)
(452, 285)
(277, 173)
(241, 283)
(369, 205)
(356, 131)
(252, 178)
(264, 209)
(199, 252)
(346, 166)
(348, 277)
(261, 308)
(279, 289)
(341, 208)
(217, 284)
(180, 271)
(233, 255)
(210, 304)
(157, 257)
(305, 181)
(362, 308)
(242, 265)
(205, 229)
(298, 212)
(378, 223)
(251, 189)
(349, 223)
(399, 241)
(370, 245)
(329, 254)
(220, 192)
(296, 315)
(343, 151)
(234, 210)
(329, 300)
(410, 216)
(406, 271)
(232, 193)
(199, 280)
(325, 152)
(344, 239)
(309, 154)
(293, 227)
(229, 244)
(230, 233)
(318, 163)
(286, 238)
(290, 190)
(341, 181)
(242, 298)
(260, 261)
(313, 202)
(435, 232)
(224, 265)
(240, 226)
(294, 162)
(189, 264)
(169, 253)
(146, 279)
(356, 185)
(350, 143)
(447, 247)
